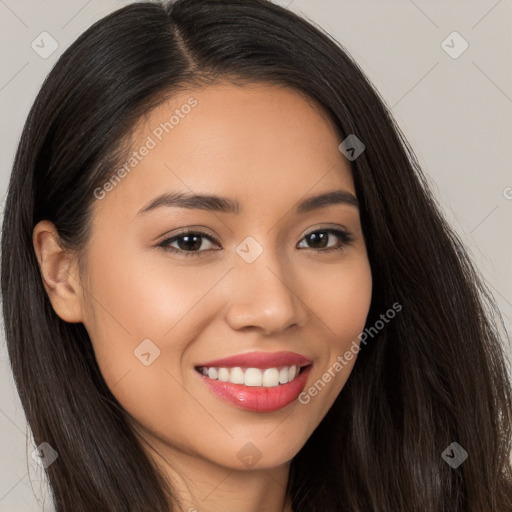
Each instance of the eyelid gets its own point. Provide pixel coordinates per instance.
(206, 232)
(319, 227)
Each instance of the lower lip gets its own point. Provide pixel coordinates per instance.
(259, 398)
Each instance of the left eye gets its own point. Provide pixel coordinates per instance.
(321, 238)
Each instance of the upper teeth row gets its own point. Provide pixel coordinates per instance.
(268, 378)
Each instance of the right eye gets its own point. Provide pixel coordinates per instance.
(189, 243)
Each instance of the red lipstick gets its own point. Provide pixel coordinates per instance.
(259, 398)
(260, 360)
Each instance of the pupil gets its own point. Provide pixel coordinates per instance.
(320, 236)
(193, 241)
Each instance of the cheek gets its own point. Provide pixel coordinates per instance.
(340, 301)
(339, 295)
(349, 310)
(134, 298)
(143, 318)
(142, 321)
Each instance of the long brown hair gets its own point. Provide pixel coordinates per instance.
(435, 375)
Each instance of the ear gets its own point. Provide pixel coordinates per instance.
(59, 273)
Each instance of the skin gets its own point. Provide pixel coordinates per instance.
(269, 147)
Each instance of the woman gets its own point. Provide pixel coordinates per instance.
(227, 285)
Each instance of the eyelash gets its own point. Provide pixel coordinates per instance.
(345, 236)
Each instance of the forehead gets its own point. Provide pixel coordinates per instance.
(258, 142)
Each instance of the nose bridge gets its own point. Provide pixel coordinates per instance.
(263, 295)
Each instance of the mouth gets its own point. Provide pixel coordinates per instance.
(253, 377)
(259, 381)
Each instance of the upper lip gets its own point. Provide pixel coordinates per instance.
(259, 360)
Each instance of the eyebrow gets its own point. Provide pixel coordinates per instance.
(219, 204)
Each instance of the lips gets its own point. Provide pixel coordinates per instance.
(259, 360)
(257, 381)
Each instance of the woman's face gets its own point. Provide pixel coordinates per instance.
(267, 278)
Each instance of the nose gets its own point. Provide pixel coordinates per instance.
(264, 297)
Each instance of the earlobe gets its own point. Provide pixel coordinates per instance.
(58, 272)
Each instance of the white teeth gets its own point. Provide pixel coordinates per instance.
(236, 376)
(223, 374)
(268, 377)
(271, 377)
(253, 377)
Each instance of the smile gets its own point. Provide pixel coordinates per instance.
(268, 378)
(258, 398)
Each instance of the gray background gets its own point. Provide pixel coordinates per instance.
(456, 112)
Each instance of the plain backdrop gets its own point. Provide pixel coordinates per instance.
(453, 103)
